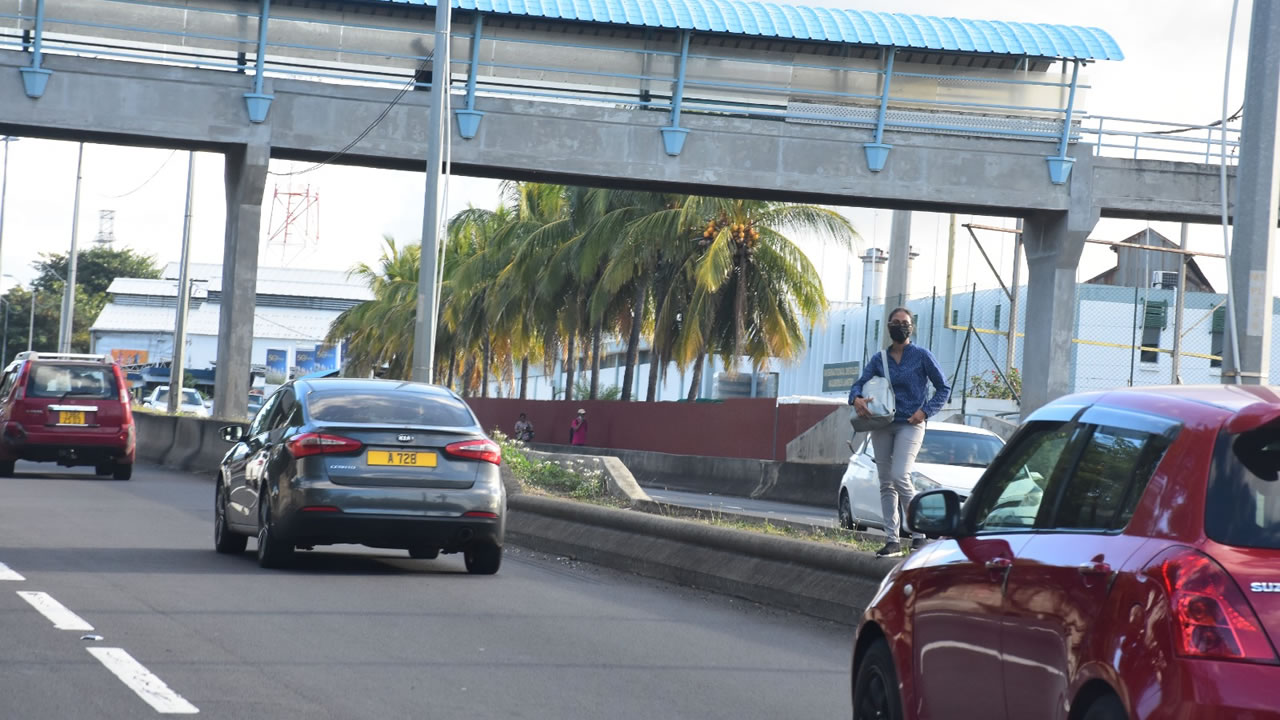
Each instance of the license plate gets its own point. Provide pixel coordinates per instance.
(401, 458)
(70, 418)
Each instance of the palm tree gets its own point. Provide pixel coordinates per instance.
(379, 332)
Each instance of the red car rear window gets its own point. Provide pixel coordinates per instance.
(1243, 504)
(57, 381)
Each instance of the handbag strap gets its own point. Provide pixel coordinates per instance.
(884, 363)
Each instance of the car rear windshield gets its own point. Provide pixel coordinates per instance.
(389, 408)
(956, 448)
(1243, 504)
(57, 381)
(189, 397)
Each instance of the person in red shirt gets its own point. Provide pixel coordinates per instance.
(578, 429)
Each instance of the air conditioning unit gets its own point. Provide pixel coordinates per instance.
(1165, 279)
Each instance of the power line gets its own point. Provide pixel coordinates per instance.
(1216, 123)
(144, 182)
(413, 81)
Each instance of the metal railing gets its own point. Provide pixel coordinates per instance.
(655, 71)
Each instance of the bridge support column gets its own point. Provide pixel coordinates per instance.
(1052, 243)
(246, 180)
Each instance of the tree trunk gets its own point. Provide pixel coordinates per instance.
(595, 362)
(571, 361)
(453, 364)
(739, 313)
(697, 376)
(655, 367)
(524, 377)
(633, 340)
(468, 370)
(484, 377)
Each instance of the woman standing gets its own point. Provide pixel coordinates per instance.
(911, 370)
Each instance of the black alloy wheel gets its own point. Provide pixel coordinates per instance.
(273, 551)
(846, 513)
(875, 690)
(225, 540)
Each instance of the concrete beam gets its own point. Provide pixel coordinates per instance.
(246, 179)
(163, 106)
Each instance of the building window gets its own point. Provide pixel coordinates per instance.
(1154, 319)
(1215, 336)
(955, 317)
(996, 323)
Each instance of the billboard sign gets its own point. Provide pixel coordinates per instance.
(839, 377)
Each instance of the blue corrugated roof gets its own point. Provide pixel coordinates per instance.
(802, 22)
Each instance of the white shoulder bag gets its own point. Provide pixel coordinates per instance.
(880, 401)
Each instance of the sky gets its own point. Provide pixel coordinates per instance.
(1175, 53)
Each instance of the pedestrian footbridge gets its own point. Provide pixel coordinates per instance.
(703, 96)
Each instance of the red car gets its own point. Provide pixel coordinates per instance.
(1119, 559)
(69, 409)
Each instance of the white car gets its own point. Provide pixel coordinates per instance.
(191, 402)
(952, 457)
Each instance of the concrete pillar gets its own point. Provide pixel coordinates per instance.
(1052, 243)
(1257, 194)
(246, 180)
(898, 281)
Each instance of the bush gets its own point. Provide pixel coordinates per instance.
(989, 385)
(578, 478)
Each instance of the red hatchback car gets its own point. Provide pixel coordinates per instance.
(68, 409)
(1119, 559)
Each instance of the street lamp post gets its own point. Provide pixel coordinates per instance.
(4, 188)
(69, 296)
(31, 329)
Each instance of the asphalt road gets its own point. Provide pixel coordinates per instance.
(358, 633)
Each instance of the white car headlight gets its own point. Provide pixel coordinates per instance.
(924, 483)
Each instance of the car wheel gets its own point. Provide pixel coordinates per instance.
(273, 551)
(122, 471)
(875, 690)
(1107, 707)
(482, 558)
(6, 468)
(847, 520)
(225, 540)
(424, 553)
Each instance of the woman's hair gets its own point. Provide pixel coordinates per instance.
(900, 310)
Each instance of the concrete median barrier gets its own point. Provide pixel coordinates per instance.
(821, 580)
(182, 443)
(154, 437)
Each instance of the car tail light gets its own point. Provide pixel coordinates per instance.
(321, 508)
(321, 444)
(481, 514)
(1213, 618)
(483, 449)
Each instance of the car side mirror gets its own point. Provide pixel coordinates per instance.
(232, 433)
(934, 514)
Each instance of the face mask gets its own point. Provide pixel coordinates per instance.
(899, 333)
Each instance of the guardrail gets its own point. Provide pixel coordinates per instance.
(1160, 140)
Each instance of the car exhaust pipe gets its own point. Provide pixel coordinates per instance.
(465, 535)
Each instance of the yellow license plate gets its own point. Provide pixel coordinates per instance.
(70, 418)
(401, 458)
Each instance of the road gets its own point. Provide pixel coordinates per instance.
(359, 633)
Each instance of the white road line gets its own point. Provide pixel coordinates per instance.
(63, 619)
(143, 682)
(7, 574)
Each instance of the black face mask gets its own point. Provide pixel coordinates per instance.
(899, 333)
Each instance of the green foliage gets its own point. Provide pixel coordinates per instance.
(989, 385)
(582, 389)
(580, 479)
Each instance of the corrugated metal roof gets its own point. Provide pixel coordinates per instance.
(154, 288)
(291, 282)
(803, 22)
(268, 322)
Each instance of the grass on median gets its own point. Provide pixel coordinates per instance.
(583, 480)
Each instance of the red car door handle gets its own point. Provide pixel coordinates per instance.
(999, 564)
(1095, 568)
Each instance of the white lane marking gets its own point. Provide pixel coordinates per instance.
(143, 682)
(7, 574)
(63, 619)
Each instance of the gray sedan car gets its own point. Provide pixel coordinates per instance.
(373, 462)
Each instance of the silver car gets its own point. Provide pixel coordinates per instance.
(381, 463)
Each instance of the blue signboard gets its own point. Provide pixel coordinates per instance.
(305, 360)
(277, 367)
(326, 358)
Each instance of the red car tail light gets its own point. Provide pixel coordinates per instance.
(1212, 616)
(321, 444)
(483, 449)
(481, 514)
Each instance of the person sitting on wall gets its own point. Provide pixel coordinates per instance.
(524, 429)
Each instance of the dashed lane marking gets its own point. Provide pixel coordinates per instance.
(62, 618)
(7, 574)
(143, 682)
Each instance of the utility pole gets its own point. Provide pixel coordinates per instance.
(1257, 190)
(899, 257)
(177, 366)
(69, 292)
(4, 190)
(1175, 373)
(424, 336)
(1011, 344)
(31, 330)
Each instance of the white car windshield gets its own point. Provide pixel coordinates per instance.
(943, 447)
(189, 396)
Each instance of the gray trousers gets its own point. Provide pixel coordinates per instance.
(896, 447)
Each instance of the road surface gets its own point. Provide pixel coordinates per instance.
(359, 633)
